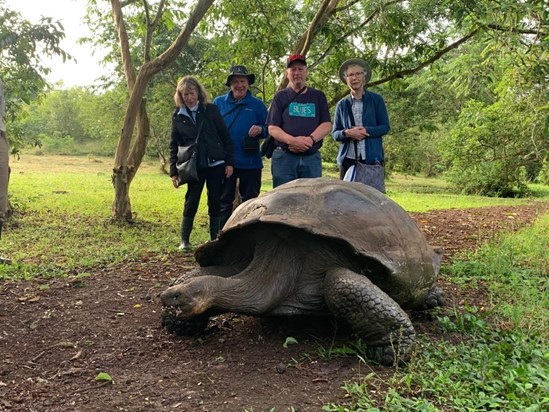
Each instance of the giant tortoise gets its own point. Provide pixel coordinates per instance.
(315, 247)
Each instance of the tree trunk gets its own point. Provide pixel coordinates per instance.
(121, 206)
(131, 149)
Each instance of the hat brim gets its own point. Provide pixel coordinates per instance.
(355, 62)
(251, 78)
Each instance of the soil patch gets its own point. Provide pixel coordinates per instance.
(56, 336)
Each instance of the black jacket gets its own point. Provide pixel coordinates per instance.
(215, 141)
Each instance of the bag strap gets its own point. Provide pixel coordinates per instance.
(200, 125)
(350, 110)
(237, 107)
(353, 124)
(293, 98)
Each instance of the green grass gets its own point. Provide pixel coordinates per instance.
(63, 209)
(62, 226)
(501, 360)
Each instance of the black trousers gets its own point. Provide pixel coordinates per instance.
(249, 186)
(213, 178)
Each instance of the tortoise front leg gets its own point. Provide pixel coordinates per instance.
(372, 314)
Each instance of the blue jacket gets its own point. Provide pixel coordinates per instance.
(374, 118)
(252, 112)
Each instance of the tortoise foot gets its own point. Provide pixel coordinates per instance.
(434, 299)
(390, 355)
(184, 327)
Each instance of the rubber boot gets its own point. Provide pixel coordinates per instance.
(186, 229)
(215, 222)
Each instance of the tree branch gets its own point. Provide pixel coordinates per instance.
(354, 29)
(499, 27)
(400, 74)
(303, 45)
(129, 70)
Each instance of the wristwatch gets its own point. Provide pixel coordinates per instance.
(313, 138)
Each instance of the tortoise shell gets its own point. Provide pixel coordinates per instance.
(370, 224)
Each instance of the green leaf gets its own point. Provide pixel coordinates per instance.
(103, 377)
(289, 341)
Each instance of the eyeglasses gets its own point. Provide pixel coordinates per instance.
(352, 75)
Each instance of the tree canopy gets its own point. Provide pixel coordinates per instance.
(463, 79)
(22, 48)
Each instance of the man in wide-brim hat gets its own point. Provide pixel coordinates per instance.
(360, 121)
(240, 71)
(245, 116)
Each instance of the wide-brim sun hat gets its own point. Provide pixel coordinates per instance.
(355, 62)
(240, 71)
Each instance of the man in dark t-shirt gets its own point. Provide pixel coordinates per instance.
(299, 119)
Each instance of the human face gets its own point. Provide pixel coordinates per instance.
(239, 86)
(297, 75)
(190, 97)
(355, 77)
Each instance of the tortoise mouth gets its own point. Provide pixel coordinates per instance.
(181, 326)
(176, 310)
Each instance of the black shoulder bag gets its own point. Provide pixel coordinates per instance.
(268, 146)
(187, 159)
(371, 175)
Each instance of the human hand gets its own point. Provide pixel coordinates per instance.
(300, 144)
(357, 133)
(255, 130)
(175, 181)
(228, 171)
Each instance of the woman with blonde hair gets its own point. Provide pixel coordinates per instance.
(215, 155)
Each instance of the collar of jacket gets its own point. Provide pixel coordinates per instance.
(231, 99)
(183, 110)
(351, 98)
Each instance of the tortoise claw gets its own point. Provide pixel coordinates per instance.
(386, 355)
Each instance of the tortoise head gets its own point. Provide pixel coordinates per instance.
(190, 298)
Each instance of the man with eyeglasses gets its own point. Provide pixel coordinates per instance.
(360, 118)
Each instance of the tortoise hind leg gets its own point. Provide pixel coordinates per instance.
(372, 314)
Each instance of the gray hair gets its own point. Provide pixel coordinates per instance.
(190, 83)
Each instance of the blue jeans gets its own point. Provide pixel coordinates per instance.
(287, 166)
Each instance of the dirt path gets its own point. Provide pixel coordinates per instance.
(57, 336)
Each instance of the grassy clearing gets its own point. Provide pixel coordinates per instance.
(501, 362)
(62, 226)
(62, 220)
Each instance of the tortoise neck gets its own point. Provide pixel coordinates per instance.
(261, 286)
